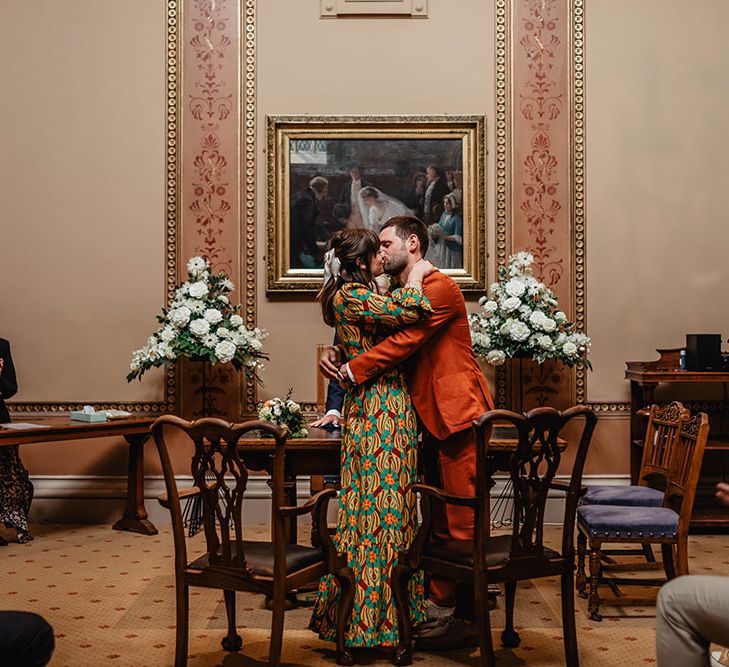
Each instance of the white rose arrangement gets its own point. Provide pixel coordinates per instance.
(520, 316)
(201, 323)
(284, 412)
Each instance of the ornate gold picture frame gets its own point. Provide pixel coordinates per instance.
(327, 173)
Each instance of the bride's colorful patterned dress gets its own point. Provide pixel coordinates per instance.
(377, 516)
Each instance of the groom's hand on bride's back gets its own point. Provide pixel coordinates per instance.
(329, 363)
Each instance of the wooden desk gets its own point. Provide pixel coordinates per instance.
(135, 431)
(644, 377)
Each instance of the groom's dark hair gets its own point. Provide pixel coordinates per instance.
(407, 225)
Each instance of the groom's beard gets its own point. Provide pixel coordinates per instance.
(393, 266)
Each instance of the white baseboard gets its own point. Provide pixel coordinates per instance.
(65, 498)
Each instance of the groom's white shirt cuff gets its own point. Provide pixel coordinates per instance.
(336, 413)
(349, 373)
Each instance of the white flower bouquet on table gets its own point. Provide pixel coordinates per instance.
(520, 317)
(284, 412)
(202, 324)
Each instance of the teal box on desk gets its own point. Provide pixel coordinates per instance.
(90, 417)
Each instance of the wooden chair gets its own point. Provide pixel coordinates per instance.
(655, 465)
(231, 563)
(667, 525)
(654, 472)
(504, 558)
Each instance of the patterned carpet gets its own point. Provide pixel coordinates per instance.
(110, 599)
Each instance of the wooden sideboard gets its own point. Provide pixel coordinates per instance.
(644, 377)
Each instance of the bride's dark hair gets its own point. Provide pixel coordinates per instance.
(349, 245)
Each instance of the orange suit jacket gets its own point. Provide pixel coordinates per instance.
(446, 384)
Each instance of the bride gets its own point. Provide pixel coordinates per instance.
(377, 208)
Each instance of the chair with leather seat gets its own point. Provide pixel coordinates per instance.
(667, 525)
(508, 558)
(231, 563)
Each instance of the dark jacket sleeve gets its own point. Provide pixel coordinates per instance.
(335, 396)
(335, 393)
(8, 382)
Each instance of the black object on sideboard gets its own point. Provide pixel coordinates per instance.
(703, 352)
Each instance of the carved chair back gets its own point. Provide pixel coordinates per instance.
(532, 468)
(221, 476)
(658, 447)
(690, 443)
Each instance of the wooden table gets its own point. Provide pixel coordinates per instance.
(319, 454)
(644, 377)
(135, 431)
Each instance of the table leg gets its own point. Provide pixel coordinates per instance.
(134, 518)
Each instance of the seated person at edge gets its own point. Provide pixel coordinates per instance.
(377, 515)
(692, 612)
(16, 489)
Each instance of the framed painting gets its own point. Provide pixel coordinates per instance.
(327, 173)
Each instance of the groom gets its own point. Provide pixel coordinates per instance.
(447, 387)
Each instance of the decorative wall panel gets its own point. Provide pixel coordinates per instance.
(535, 172)
(210, 204)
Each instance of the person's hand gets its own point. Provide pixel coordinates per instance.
(343, 377)
(422, 269)
(383, 282)
(2, 364)
(329, 363)
(325, 421)
(722, 492)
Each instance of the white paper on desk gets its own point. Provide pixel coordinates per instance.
(21, 426)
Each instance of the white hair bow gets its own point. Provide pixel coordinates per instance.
(331, 266)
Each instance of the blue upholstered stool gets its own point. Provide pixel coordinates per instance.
(627, 496)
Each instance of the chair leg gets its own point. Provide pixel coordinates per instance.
(669, 565)
(483, 621)
(682, 566)
(403, 655)
(232, 641)
(581, 552)
(182, 604)
(593, 603)
(345, 578)
(510, 637)
(648, 552)
(277, 624)
(569, 629)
